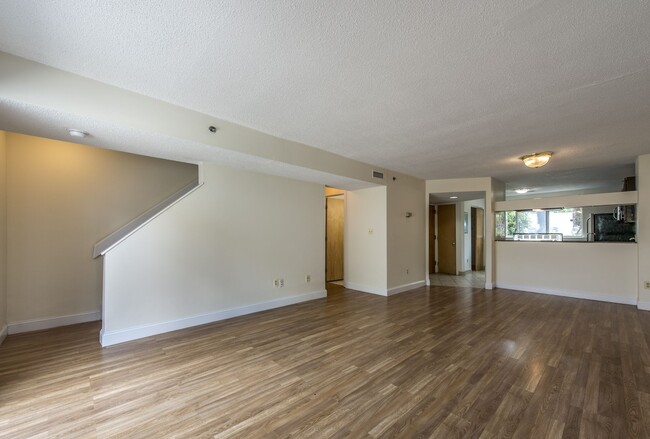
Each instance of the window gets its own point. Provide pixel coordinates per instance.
(566, 221)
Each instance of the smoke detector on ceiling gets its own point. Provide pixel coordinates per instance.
(77, 133)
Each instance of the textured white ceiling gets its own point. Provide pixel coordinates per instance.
(434, 89)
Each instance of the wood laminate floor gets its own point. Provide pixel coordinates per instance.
(442, 362)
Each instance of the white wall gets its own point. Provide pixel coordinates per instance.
(496, 195)
(643, 228)
(599, 271)
(366, 244)
(406, 248)
(215, 254)
(62, 198)
(3, 236)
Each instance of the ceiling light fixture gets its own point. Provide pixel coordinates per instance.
(453, 198)
(77, 133)
(522, 190)
(537, 159)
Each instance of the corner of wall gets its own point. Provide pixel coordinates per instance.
(230, 256)
(406, 224)
(3, 236)
(201, 172)
(366, 240)
(498, 190)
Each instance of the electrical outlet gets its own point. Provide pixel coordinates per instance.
(281, 283)
(646, 284)
(276, 283)
(308, 278)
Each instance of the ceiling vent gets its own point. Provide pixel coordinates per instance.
(377, 174)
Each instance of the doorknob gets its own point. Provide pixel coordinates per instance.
(453, 244)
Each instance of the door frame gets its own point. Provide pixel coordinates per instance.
(473, 238)
(488, 247)
(456, 235)
(330, 193)
(432, 244)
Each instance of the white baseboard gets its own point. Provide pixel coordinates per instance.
(37, 325)
(571, 293)
(405, 287)
(645, 306)
(489, 285)
(108, 338)
(3, 333)
(366, 288)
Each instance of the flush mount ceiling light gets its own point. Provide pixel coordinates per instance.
(537, 159)
(453, 198)
(77, 133)
(522, 190)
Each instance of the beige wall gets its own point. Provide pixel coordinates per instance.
(215, 255)
(62, 198)
(599, 271)
(3, 236)
(406, 243)
(366, 240)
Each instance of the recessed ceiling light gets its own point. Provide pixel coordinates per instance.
(453, 198)
(522, 190)
(77, 133)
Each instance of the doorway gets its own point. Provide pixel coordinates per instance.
(432, 239)
(447, 239)
(334, 235)
(477, 240)
(456, 239)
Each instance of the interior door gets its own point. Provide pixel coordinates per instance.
(478, 232)
(447, 238)
(432, 239)
(334, 239)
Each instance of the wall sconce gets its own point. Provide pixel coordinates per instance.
(409, 214)
(537, 159)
